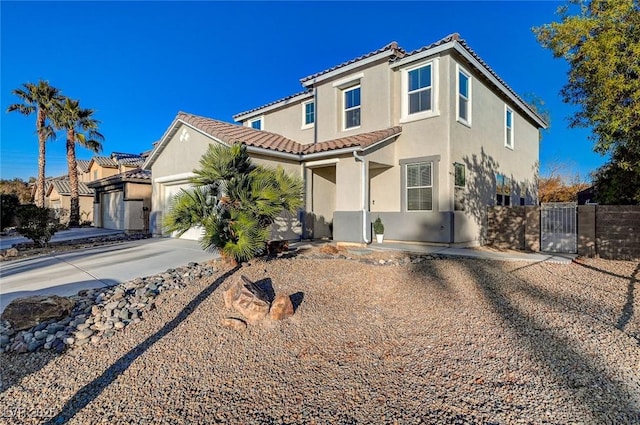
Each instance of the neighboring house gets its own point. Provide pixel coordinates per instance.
(123, 201)
(58, 189)
(58, 198)
(423, 139)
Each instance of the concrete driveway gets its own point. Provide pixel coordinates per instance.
(66, 273)
(61, 235)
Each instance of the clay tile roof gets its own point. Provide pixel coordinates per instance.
(127, 158)
(105, 161)
(451, 37)
(137, 175)
(284, 99)
(64, 188)
(83, 164)
(393, 46)
(232, 133)
(359, 140)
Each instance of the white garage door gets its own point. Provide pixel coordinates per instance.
(112, 205)
(195, 233)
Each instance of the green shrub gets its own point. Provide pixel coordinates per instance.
(36, 223)
(378, 227)
(9, 203)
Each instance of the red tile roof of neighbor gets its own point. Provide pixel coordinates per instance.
(232, 133)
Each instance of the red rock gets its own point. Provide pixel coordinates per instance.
(281, 308)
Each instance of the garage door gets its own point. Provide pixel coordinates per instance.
(112, 205)
(195, 233)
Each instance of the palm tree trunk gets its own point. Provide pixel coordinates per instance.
(42, 150)
(74, 213)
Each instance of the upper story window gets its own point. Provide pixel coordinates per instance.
(308, 114)
(351, 99)
(419, 186)
(95, 174)
(508, 127)
(256, 123)
(464, 97)
(419, 90)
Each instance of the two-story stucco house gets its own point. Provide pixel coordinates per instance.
(425, 140)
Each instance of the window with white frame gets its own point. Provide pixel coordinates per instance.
(464, 97)
(503, 190)
(419, 186)
(308, 114)
(459, 182)
(351, 102)
(256, 123)
(419, 89)
(508, 127)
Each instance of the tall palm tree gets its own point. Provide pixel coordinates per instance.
(81, 128)
(39, 98)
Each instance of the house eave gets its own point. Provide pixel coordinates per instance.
(308, 83)
(262, 110)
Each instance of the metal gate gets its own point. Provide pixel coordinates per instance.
(558, 227)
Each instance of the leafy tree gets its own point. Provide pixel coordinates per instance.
(16, 187)
(76, 121)
(36, 223)
(616, 184)
(9, 204)
(234, 201)
(602, 46)
(39, 99)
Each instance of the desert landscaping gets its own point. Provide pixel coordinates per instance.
(384, 338)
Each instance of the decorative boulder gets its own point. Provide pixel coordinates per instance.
(25, 313)
(248, 299)
(281, 308)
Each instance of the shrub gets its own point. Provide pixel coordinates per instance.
(9, 203)
(378, 227)
(36, 223)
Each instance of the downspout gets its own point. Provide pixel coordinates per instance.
(363, 188)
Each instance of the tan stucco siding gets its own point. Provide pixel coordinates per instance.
(97, 172)
(182, 153)
(348, 184)
(288, 121)
(481, 147)
(375, 92)
(292, 167)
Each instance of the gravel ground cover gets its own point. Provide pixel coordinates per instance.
(379, 339)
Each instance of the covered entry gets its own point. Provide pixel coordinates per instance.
(558, 227)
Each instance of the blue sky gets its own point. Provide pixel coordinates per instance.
(139, 63)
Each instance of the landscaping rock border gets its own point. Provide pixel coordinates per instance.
(100, 313)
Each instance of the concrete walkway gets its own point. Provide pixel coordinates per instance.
(480, 252)
(66, 273)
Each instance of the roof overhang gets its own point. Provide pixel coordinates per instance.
(279, 104)
(310, 82)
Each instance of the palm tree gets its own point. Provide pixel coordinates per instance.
(234, 201)
(76, 121)
(39, 98)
